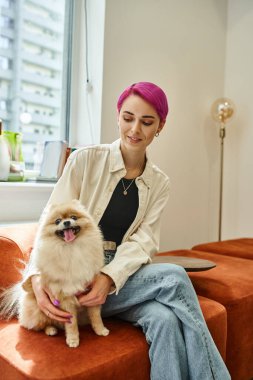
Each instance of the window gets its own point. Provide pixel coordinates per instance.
(5, 43)
(35, 47)
(5, 63)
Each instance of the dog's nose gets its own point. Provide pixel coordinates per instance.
(66, 223)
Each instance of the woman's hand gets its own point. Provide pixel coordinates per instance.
(46, 302)
(100, 288)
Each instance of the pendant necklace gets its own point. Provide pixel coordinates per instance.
(126, 188)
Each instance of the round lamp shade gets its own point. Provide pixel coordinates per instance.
(222, 110)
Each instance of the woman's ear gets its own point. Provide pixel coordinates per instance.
(160, 127)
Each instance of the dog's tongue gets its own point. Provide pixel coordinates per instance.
(69, 235)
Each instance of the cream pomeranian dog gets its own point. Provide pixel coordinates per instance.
(68, 254)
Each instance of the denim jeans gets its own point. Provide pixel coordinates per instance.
(161, 300)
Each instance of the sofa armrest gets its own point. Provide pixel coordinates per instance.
(22, 234)
(11, 258)
(16, 242)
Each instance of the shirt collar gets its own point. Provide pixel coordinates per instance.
(117, 163)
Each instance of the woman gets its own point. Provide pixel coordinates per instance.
(126, 194)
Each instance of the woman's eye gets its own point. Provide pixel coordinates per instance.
(127, 119)
(58, 221)
(147, 123)
(73, 217)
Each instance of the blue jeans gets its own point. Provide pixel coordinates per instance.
(161, 300)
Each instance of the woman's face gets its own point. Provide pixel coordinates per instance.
(138, 123)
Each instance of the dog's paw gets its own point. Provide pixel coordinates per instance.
(51, 330)
(72, 341)
(104, 332)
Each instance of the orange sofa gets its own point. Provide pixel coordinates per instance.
(232, 282)
(235, 247)
(123, 355)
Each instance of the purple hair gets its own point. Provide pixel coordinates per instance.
(150, 92)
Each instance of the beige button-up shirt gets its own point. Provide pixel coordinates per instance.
(91, 175)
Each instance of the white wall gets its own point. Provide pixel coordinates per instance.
(181, 47)
(238, 168)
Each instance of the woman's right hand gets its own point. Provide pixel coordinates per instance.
(46, 302)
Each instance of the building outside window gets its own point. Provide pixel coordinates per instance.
(35, 50)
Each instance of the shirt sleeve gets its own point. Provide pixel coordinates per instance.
(141, 245)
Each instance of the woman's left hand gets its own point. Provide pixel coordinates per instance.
(100, 287)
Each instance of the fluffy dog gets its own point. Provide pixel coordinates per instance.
(68, 253)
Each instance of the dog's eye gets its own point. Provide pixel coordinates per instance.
(58, 221)
(73, 217)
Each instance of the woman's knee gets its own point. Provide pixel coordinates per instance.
(160, 269)
(165, 270)
(155, 315)
(166, 274)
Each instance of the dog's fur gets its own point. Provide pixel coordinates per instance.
(68, 253)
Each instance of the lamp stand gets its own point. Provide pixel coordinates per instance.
(222, 136)
(222, 110)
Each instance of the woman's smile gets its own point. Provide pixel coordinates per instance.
(134, 139)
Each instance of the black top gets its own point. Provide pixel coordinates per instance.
(120, 212)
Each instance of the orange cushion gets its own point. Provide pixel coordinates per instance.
(235, 247)
(33, 355)
(122, 355)
(231, 284)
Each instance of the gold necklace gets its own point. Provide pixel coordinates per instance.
(126, 188)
